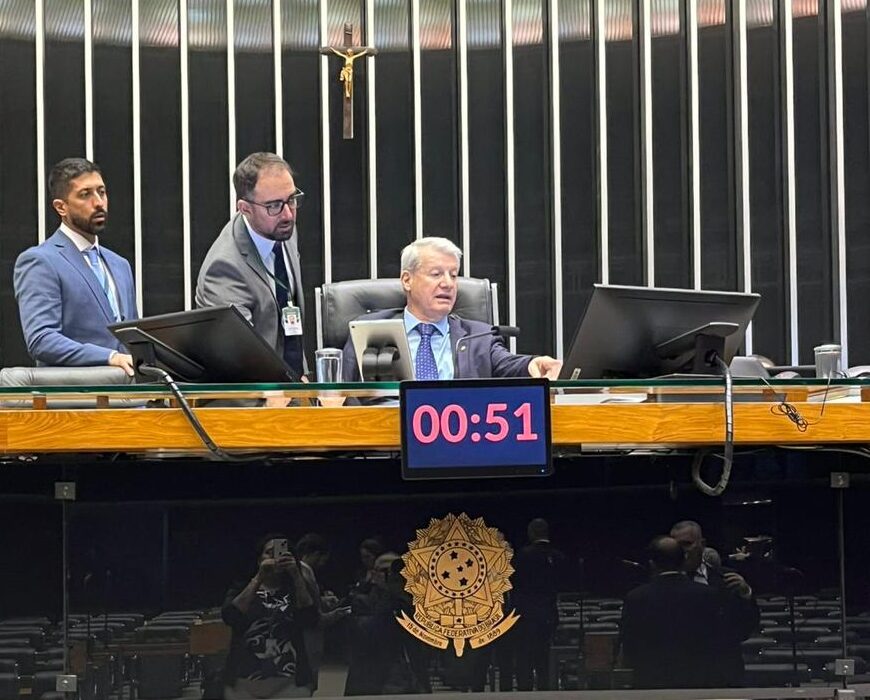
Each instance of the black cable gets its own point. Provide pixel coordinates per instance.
(728, 451)
(791, 412)
(210, 444)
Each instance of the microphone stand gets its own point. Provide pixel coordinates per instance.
(462, 343)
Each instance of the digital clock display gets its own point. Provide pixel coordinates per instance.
(475, 428)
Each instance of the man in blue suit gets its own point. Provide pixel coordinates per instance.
(70, 288)
(430, 268)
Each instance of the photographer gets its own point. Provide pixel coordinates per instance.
(738, 603)
(268, 617)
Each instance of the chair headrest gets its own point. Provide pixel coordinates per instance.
(345, 301)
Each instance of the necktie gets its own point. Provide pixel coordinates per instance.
(93, 257)
(292, 343)
(425, 367)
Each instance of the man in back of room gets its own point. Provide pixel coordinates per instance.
(254, 262)
(70, 288)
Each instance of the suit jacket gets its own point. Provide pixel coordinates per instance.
(540, 572)
(64, 311)
(743, 617)
(671, 629)
(480, 358)
(233, 273)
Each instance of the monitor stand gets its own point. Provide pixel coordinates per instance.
(146, 349)
(380, 364)
(700, 346)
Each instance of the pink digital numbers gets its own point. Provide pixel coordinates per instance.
(451, 423)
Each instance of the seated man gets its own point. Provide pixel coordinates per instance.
(430, 267)
(70, 288)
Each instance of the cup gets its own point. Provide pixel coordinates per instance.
(828, 361)
(327, 364)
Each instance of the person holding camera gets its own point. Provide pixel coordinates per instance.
(269, 617)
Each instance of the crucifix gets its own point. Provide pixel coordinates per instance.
(349, 53)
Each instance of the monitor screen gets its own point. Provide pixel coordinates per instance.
(212, 346)
(475, 428)
(625, 331)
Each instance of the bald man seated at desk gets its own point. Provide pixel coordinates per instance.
(430, 268)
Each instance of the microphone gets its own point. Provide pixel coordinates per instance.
(462, 343)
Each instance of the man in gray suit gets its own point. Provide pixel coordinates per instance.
(254, 262)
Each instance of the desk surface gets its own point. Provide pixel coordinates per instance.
(690, 416)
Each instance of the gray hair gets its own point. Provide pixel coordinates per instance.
(411, 252)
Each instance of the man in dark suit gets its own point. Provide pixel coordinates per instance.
(540, 572)
(70, 288)
(741, 609)
(430, 268)
(254, 262)
(670, 626)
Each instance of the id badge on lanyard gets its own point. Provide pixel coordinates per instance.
(291, 320)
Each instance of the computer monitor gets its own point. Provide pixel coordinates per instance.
(646, 331)
(215, 345)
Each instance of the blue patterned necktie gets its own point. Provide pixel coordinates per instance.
(93, 257)
(425, 367)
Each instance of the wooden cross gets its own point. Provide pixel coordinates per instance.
(349, 53)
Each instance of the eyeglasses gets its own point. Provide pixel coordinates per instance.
(275, 208)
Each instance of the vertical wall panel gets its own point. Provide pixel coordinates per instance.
(534, 247)
(487, 144)
(769, 250)
(302, 144)
(439, 120)
(815, 264)
(162, 260)
(255, 77)
(580, 251)
(207, 70)
(623, 168)
(347, 157)
(395, 135)
(18, 178)
(718, 241)
(64, 88)
(857, 181)
(113, 117)
(673, 263)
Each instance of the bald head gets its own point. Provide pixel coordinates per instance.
(665, 554)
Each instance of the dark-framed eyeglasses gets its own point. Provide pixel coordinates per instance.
(275, 208)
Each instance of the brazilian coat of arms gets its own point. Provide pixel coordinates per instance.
(458, 571)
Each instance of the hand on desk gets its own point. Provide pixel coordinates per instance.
(545, 366)
(125, 362)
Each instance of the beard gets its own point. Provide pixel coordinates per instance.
(92, 225)
(282, 232)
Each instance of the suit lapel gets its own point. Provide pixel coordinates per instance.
(457, 332)
(74, 258)
(251, 254)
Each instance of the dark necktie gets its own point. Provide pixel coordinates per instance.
(425, 366)
(292, 343)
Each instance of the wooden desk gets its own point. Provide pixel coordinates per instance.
(377, 428)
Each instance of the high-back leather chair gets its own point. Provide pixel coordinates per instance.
(65, 376)
(338, 303)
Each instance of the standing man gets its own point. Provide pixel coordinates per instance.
(671, 627)
(70, 288)
(430, 268)
(540, 572)
(254, 262)
(741, 609)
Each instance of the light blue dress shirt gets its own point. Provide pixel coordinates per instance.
(265, 247)
(440, 343)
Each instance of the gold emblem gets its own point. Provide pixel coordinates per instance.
(457, 571)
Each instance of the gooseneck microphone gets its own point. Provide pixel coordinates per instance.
(462, 344)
